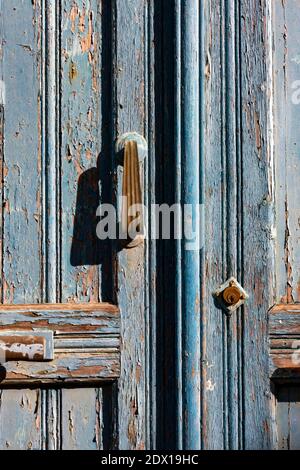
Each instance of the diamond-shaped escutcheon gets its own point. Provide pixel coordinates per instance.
(231, 295)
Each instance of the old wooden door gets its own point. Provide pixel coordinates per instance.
(73, 79)
(237, 152)
(213, 87)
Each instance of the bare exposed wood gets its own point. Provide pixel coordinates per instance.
(78, 307)
(22, 348)
(284, 323)
(67, 367)
(288, 308)
(284, 331)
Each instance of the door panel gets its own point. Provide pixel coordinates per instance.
(79, 59)
(20, 406)
(21, 167)
(284, 320)
(75, 76)
(288, 416)
(286, 17)
(64, 418)
(81, 419)
(67, 93)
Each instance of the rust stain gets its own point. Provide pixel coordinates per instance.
(92, 57)
(257, 132)
(73, 73)
(38, 422)
(138, 373)
(131, 432)
(5, 170)
(90, 114)
(8, 292)
(197, 303)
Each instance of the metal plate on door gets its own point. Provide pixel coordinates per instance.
(26, 346)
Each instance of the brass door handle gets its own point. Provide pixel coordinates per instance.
(132, 216)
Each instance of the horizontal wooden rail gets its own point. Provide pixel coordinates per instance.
(86, 342)
(284, 333)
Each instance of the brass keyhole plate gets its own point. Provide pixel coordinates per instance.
(230, 295)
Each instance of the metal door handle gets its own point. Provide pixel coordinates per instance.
(26, 346)
(132, 220)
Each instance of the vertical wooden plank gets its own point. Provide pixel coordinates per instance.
(21, 273)
(231, 206)
(178, 247)
(222, 341)
(286, 17)
(20, 419)
(130, 108)
(2, 103)
(168, 339)
(212, 318)
(282, 417)
(81, 420)
(80, 149)
(258, 195)
(50, 195)
(294, 398)
(52, 418)
(151, 248)
(1, 165)
(288, 416)
(50, 149)
(190, 195)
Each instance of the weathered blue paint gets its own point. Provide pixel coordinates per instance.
(213, 347)
(286, 17)
(150, 248)
(288, 417)
(21, 222)
(257, 211)
(190, 264)
(284, 329)
(178, 247)
(130, 97)
(195, 79)
(50, 150)
(82, 155)
(50, 68)
(230, 209)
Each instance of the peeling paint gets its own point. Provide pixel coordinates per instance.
(210, 386)
(2, 92)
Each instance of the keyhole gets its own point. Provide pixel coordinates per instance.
(231, 295)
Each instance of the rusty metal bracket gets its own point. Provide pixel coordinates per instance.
(26, 346)
(230, 295)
